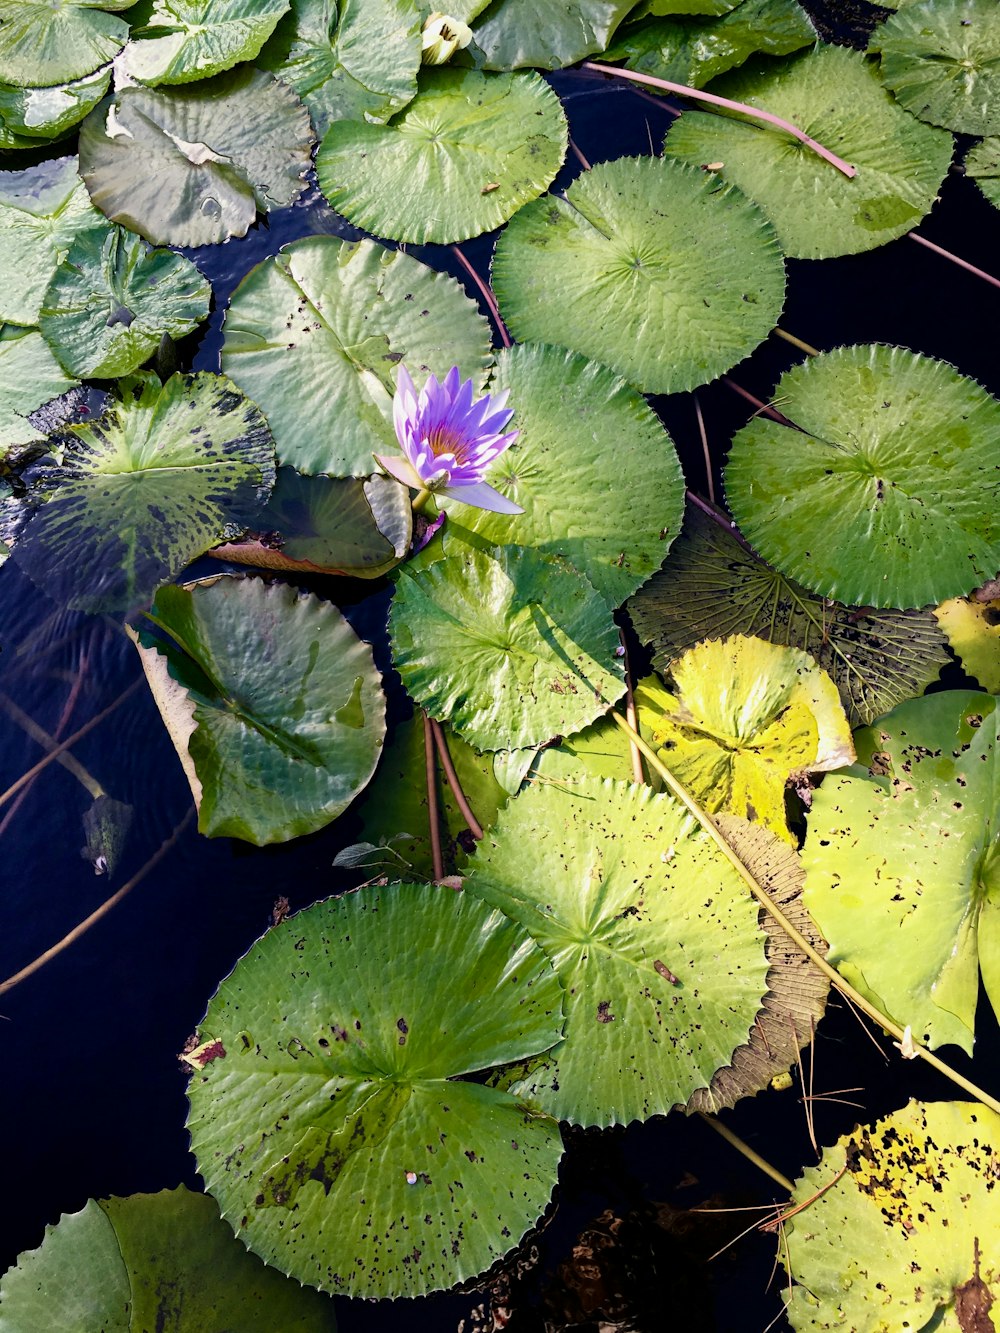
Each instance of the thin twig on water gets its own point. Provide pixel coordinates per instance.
(441, 741)
(703, 433)
(954, 259)
(487, 295)
(430, 773)
(638, 771)
(699, 95)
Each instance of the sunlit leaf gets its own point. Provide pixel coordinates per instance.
(29, 377)
(30, 114)
(651, 932)
(941, 61)
(714, 585)
(887, 493)
(326, 322)
(468, 152)
(907, 1208)
(982, 163)
(639, 256)
(140, 491)
(510, 646)
(902, 867)
(43, 209)
(745, 715)
(42, 44)
(973, 630)
(112, 300)
(177, 41)
(546, 34)
(152, 1261)
(272, 701)
(561, 470)
(332, 1127)
(352, 61)
(692, 50)
(193, 165)
(836, 95)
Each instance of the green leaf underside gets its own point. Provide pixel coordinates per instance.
(612, 880)
(361, 527)
(178, 41)
(796, 991)
(642, 254)
(468, 152)
(332, 1131)
(510, 646)
(355, 61)
(145, 488)
(887, 494)
(982, 163)
(712, 586)
(941, 61)
(394, 812)
(816, 211)
(547, 34)
(709, 8)
(138, 1262)
(326, 322)
(28, 115)
(693, 50)
(42, 44)
(192, 165)
(285, 700)
(43, 210)
(111, 302)
(742, 716)
(973, 630)
(593, 469)
(902, 873)
(881, 1226)
(29, 377)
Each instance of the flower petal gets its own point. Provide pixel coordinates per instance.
(401, 469)
(481, 496)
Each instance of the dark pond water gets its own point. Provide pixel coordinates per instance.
(94, 1097)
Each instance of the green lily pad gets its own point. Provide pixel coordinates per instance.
(192, 165)
(272, 701)
(902, 867)
(164, 1261)
(510, 646)
(547, 34)
(468, 152)
(43, 209)
(325, 322)
(332, 1127)
(713, 585)
(914, 1216)
(29, 376)
(797, 991)
(562, 473)
(142, 490)
(982, 163)
(660, 8)
(693, 50)
(651, 932)
(393, 811)
(177, 41)
(973, 630)
(642, 254)
(887, 493)
(349, 61)
(941, 61)
(30, 114)
(816, 211)
(42, 44)
(348, 525)
(745, 715)
(112, 300)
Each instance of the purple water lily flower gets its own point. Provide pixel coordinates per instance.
(448, 441)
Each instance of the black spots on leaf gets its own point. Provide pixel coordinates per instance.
(604, 1014)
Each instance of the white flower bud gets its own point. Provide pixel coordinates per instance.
(442, 37)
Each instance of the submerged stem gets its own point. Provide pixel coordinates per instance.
(50, 745)
(766, 901)
(699, 95)
(430, 772)
(760, 1162)
(441, 741)
(796, 342)
(487, 295)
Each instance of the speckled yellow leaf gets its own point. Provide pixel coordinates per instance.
(743, 716)
(973, 630)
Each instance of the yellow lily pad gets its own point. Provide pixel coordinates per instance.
(972, 627)
(744, 716)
